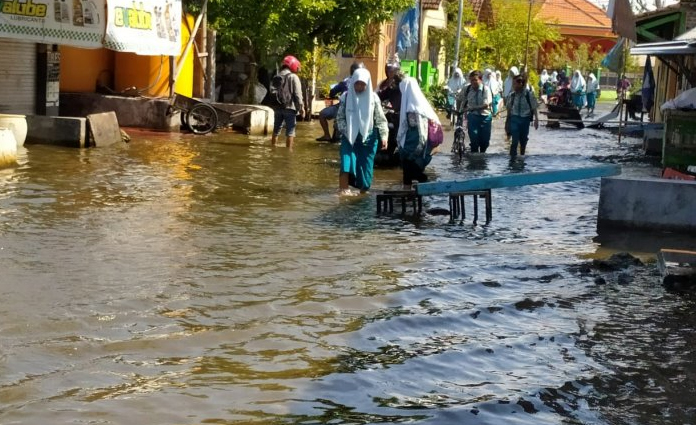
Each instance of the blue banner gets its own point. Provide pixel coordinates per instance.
(407, 32)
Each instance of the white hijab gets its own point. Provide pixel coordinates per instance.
(507, 85)
(491, 81)
(544, 77)
(457, 81)
(412, 100)
(591, 83)
(577, 83)
(359, 107)
(554, 77)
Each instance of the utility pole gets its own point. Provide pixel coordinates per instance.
(419, 4)
(526, 46)
(459, 37)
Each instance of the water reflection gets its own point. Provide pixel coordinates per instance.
(217, 280)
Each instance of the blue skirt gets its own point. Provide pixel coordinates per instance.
(358, 159)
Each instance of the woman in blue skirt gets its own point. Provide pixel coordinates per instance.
(363, 129)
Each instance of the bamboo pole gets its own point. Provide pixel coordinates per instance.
(182, 58)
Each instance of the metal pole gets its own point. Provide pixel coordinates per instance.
(420, 37)
(623, 93)
(459, 37)
(529, 24)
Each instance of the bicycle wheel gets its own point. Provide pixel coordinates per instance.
(201, 119)
(458, 145)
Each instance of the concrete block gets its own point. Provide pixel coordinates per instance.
(137, 112)
(249, 119)
(104, 129)
(59, 131)
(647, 203)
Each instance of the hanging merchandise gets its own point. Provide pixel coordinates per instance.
(648, 89)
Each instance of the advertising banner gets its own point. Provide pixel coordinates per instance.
(144, 27)
(71, 22)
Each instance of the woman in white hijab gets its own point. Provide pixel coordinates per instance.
(577, 88)
(543, 79)
(507, 85)
(592, 86)
(363, 127)
(490, 81)
(456, 82)
(454, 86)
(414, 149)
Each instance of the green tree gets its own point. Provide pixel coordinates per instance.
(447, 37)
(582, 56)
(504, 43)
(276, 27)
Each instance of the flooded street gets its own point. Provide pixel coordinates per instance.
(217, 280)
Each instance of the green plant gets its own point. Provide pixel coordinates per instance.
(437, 96)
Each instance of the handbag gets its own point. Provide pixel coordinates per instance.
(435, 135)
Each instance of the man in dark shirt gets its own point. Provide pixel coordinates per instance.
(390, 95)
(329, 113)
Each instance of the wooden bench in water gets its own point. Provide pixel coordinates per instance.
(520, 179)
(481, 188)
(385, 201)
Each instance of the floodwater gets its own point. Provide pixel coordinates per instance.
(216, 280)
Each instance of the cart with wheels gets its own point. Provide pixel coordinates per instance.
(198, 116)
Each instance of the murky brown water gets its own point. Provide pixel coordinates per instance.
(217, 280)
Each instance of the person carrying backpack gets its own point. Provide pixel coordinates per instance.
(522, 109)
(476, 100)
(285, 97)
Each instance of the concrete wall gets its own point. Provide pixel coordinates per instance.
(131, 111)
(647, 203)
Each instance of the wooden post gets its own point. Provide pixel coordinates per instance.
(210, 66)
(183, 56)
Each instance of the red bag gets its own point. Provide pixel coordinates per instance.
(435, 136)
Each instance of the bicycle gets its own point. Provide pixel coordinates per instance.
(459, 143)
(451, 107)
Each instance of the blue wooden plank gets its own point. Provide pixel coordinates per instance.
(521, 179)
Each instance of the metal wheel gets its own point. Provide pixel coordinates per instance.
(201, 119)
(458, 143)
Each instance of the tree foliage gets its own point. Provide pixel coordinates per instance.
(277, 27)
(504, 44)
(447, 37)
(581, 57)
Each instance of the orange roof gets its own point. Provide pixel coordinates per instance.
(574, 13)
(431, 4)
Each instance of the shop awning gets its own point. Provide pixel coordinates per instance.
(685, 44)
(663, 48)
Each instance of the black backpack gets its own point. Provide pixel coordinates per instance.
(280, 92)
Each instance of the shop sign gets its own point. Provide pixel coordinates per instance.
(145, 28)
(69, 22)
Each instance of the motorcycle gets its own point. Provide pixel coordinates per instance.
(389, 158)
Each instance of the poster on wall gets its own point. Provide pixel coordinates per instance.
(69, 22)
(146, 28)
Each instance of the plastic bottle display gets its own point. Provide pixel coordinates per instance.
(89, 12)
(78, 16)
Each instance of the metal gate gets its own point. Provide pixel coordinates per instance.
(17, 77)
